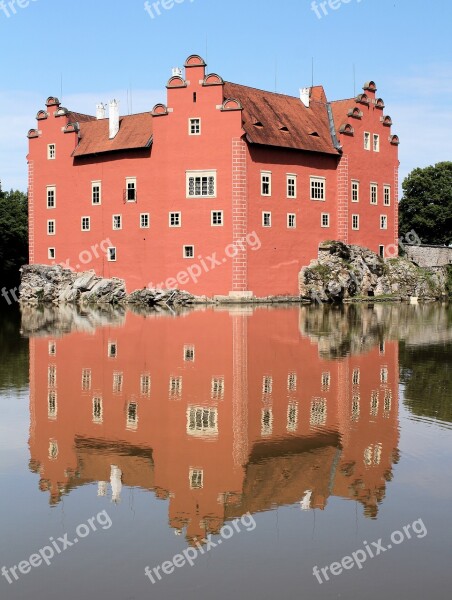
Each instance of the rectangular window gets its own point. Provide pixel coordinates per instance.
(98, 410)
(376, 140)
(51, 196)
(291, 186)
(383, 222)
(52, 405)
(112, 350)
(355, 407)
(355, 191)
(266, 183)
(175, 387)
(131, 189)
(267, 422)
(196, 478)
(292, 417)
(355, 222)
(189, 353)
(217, 392)
(291, 220)
(118, 380)
(267, 385)
(317, 188)
(325, 219)
(326, 380)
(387, 195)
(366, 140)
(216, 218)
(292, 382)
(384, 375)
(96, 192)
(175, 219)
(266, 219)
(52, 348)
(111, 254)
(194, 126)
(86, 379)
(145, 385)
(202, 420)
(144, 220)
(381, 251)
(356, 376)
(132, 415)
(373, 193)
(51, 227)
(374, 402)
(52, 376)
(117, 222)
(318, 412)
(51, 254)
(51, 151)
(201, 184)
(85, 224)
(189, 252)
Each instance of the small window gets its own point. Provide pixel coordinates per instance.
(266, 422)
(373, 193)
(194, 126)
(86, 379)
(291, 220)
(355, 191)
(325, 219)
(111, 254)
(112, 350)
(216, 218)
(266, 219)
(175, 219)
(52, 348)
(356, 376)
(52, 405)
(266, 184)
(175, 387)
(366, 140)
(117, 222)
(189, 353)
(196, 478)
(387, 195)
(51, 253)
(96, 192)
(145, 385)
(51, 151)
(217, 392)
(383, 222)
(51, 227)
(381, 251)
(201, 184)
(376, 142)
(98, 410)
(317, 188)
(131, 189)
(291, 186)
(144, 220)
(355, 222)
(86, 224)
(118, 381)
(189, 252)
(51, 196)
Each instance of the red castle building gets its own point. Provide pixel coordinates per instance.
(225, 189)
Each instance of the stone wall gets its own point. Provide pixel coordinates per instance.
(429, 256)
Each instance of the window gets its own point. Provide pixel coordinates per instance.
(292, 417)
(366, 140)
(194, 126)
(384, 375)
(355, 191)
(52, 348)
(291, 186)
(118, 380)
(96, 192)
(201, 184)
(292, 382)
(132, 415)
(145, 385)
(131, 189)
(51, 151)
(196, 479)
(52, 406)
(291, 220)
(374, 404)
(189, 252)
(266, 219)
(373, 193)
(325, 219)
(266, 421)
(202, 420)
(189, 353)
(267, 385)
(356, 376)
(86, 225)
(216, 218)
(383, 222)
(98, 410)
(53, 449)
(381, 251)
(51, 196)
(117, 222)
(112, 350)
(52, 376)
(376, 140)
(51, 253)
(355, 408)
(355, 221)
(217, 392)
(387, 402)
(175, 387)
(317, 188)
(382, 349)
(111, 254)
(326, 380)
(175, 219)
(387, 195)
(144, 220)
(318, 412)
(266, 183)
(51, 227)
(86, 379)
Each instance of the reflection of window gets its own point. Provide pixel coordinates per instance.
(196, 478)
(53, 449)
(112, 350)
(202, 420)
(267, 421)
(52, 374)
(175, 386)
(387, 403)
(355, 408)
(189, 353)
(97, 410)
(292, 382)
(217, 388)
(355, 376)
(145, 385)
(267, 384)
(86, 379)
(326, 380)
(374, 404)
(382, 348)
(52, 348)
(292, 417)
(132, 415)
(318, 412)
(372, 454)
(52, 407)
(384, 375)
(118, 379)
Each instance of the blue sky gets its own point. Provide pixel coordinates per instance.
(102, 47)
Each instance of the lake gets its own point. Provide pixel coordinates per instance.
(231, 451)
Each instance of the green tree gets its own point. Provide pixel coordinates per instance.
(13, 236)
(426, 205)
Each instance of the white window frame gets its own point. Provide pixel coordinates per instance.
(113, 224)
(381, 250)
(196, 478)
(383, 221)
(386, 195)
(53, 223)
(51, 188)
(317, 180)
(376, 142)
(111, 345)
(184, 251)
(355, 222)
(294, 224)
(192, 126)
(50, 148)
(372, 187)
(95, 184)
(266, 174)
(289, 177)
(179, 216)
(217, 212)
(109, 254)
(131, 180)
(51, 251)
(266, 214)
(355, 188)
(144, 216)
(367, 140)
(85, 229)
(200, 175)
(189, 353)
(327, 215)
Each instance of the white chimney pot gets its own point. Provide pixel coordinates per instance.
(113, 115)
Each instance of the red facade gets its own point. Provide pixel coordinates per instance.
(223, 189)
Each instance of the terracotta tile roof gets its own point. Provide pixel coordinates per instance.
(340, 109)
(75, 117)
(274, 119)
(135, 131)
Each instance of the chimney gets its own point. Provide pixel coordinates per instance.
(305, 94)
(113, 114)
(177, 72)
(100, 111)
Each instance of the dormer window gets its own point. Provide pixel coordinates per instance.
(51, 151)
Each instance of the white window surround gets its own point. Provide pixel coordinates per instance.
(355, 222)
(194, 126)
(51, 151)
(266, 183)
(374, 193)
(216, 218)
(175, 219)
(187, 253)
(317, 187)
(266, 219)
(131, 189)
(51, 253)
(291, 221)
(201, 184)
(383, 221)
(144, 221)
(291, 185)
(111, 254)
(116, 222)
(85, 223)
(51, 196)
(325, 219)
(96, 193)
(376, 142)
(367, 140)
(51, 227)
(355, 190)
(386, 195)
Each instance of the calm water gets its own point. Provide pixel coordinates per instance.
(256, 443)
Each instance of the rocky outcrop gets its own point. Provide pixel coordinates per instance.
(345, 272)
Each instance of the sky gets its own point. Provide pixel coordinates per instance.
(90, 51)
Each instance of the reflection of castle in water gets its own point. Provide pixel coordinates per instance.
(220, 412)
